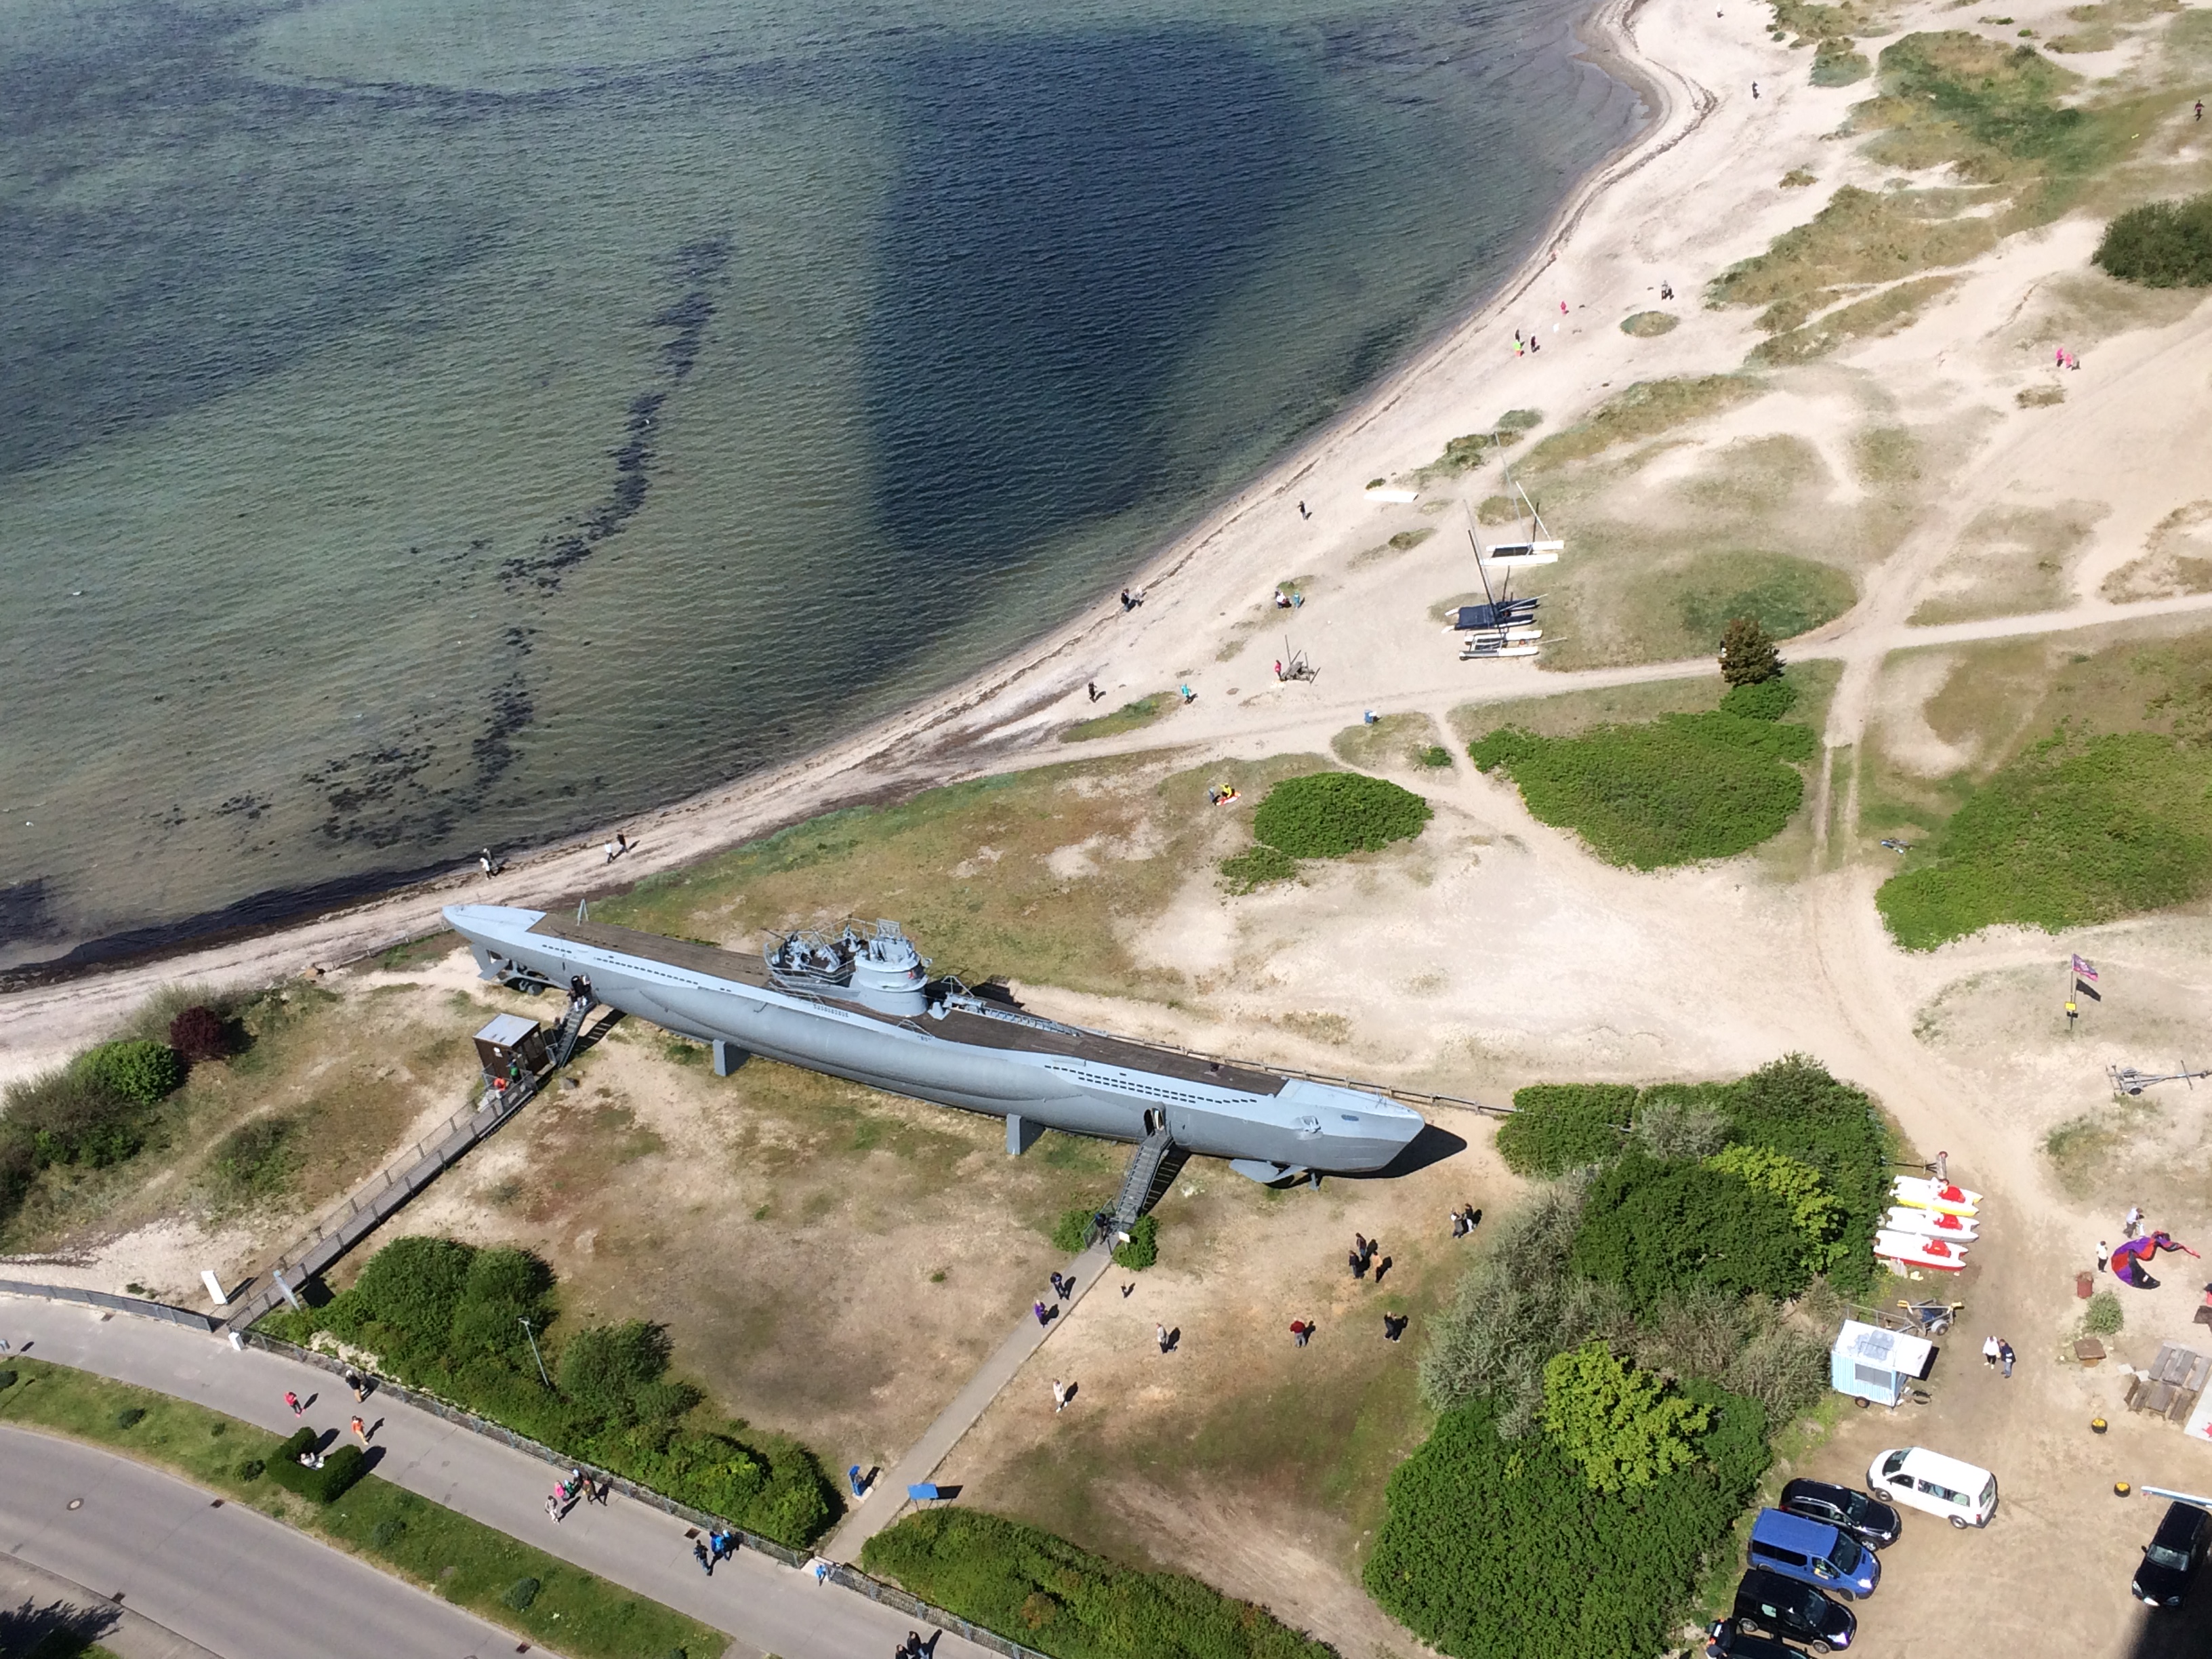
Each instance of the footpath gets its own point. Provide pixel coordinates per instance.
(768, 1607)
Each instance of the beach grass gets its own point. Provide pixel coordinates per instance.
(1650, 325)
(1393, 740)
(1644, 411)
(460, 1560)
(1129, 717)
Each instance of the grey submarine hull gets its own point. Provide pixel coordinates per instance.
(959, 1051)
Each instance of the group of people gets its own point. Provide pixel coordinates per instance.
(312, 1457)
(1465, 1220)
(715, 1547)
(1131, 598)
(1220, 794)
(578, 1488)
(1996, 1351)
(915, 1648)
(1365, 1252)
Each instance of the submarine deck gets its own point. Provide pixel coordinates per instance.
(978, 1030)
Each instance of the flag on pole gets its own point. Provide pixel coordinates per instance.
(2085, 968)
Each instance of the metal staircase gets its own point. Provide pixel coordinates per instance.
(572, 1028)
(1151, 1172)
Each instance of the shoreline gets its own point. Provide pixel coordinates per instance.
(48, 1008)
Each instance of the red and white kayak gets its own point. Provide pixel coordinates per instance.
(1931, 1224)
(1920, 1194)
(1915, 1250)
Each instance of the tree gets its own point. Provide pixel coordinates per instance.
(1622, 1428)
(1747, 654)
(1819, 1218)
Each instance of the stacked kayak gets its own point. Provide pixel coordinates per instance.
(1928, 1226)
(1931, 1223)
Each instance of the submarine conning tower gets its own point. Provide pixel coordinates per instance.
(878, 968)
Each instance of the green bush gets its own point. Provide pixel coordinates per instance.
(130, 1416)
(385, 1532)
(342, 1467)
(2104, 1316)
(1255, 867)
(1498, 1549)
(1760, 699)
(7, 1380)
(446, 1317)
(1072, 1232)
(521, 1594)
(1143, 1249)
(1657, 1230)
(250, 1469)
(2072, 832)
(1326, 815)
(255, 1160)
(138, 1071)
(1814, 1211)
(1671, 791)
(1623, 1428)
(1046, 1594)
(1794, 1106)
(1434, 756)
(64, 1116)
(2161, 244)
(1557, 1127)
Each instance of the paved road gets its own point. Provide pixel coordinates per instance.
(225, 1577)
(767, 1606)
(34, 1603)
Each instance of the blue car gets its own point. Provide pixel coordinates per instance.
(1813, 1554)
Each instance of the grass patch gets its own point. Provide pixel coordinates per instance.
(1572, 713)
(419, 953)
(1835, 65)
(1677, 789)
(1256, 867)
(1327, 815)
(2009, 562)
(2161, 244)
(1878, 314)
(2075, 831)
(1646, 409)
(2040, 396)
(1650, 325)
(1393, 739)
(1786, 596)
(1859, 237)
(454, 1558)
(1061, 1600)
(1129, 717)
(1798, 178)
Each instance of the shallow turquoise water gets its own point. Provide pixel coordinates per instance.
(423, 426)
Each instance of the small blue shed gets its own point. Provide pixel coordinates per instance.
(1868, 1363)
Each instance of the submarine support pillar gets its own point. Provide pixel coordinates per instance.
(1021, 1134)
(728, 1056)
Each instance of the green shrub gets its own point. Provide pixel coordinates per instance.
(2104, 1316)
(386, 1533)
(521, 1594)
(2161, 244)
(1072, 1232)
(1816, 1215)
(200, 1033)
(1794, 1106)
(1557, 1127)
(1760, 699)
(1143, 1249)
(445, 1316)
(1748, 653)
(1434, 756)
(1044, 1592)
(64, 1116)
(1498, 1549)
(2074, 831)
(1255, 867)
(130, 1416)
(1671, 791)
(1326, 815)
(249, 1469)
(1623, 1428)
(7, 1380)
(255, 1160)
(342, 1467)
(140, 1072)
(1657, 1230)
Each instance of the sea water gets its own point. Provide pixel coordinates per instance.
(428, 424)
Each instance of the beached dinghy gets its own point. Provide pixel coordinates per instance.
(1912, 1250)
(1478, 650)
(1931, 1224)
(1922, 1194)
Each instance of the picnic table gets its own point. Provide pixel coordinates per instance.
(2169, 1389)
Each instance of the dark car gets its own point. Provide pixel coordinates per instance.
(1768, 1603)
(1869, 1520)
(2172, 1558)
(1725, 1641)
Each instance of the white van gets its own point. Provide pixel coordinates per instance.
(1962, 1494)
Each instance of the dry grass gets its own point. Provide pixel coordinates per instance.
(2009, 562)
(1885, 313)
(1393, 741)
(1650, 325)
(1649, 409)
(2176, 559)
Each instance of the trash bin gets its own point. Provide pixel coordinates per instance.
(2082, 1283)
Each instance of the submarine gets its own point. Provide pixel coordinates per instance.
(859, 1004)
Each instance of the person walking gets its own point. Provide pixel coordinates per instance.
(1989, 1351)
(2104, 1254)
(360, 1388)
(553, 1508)
(1299, 1332)
(1059, 1396)
(1358, 1264)
(1042, 1317)
(2200, 109)
(484, 860)
(706, 1561)
(1393, 1327)
(1942, 1169)
(1382, 1268)
(293, 1400)
(2005, 1355)
(360, 1429)
(1458, 1225)
(2131, 1222)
